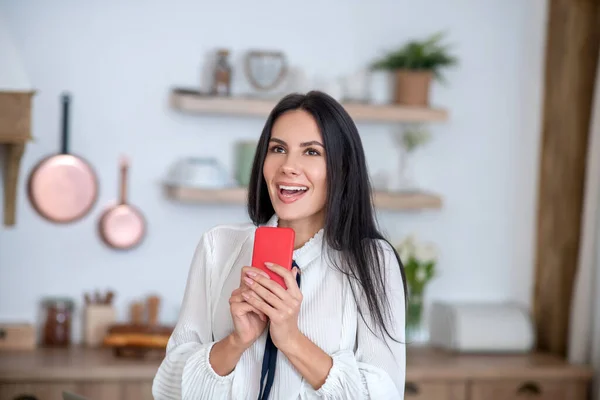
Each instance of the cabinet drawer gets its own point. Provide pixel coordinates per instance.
(38, 391)
(528, 389)
(435, 390)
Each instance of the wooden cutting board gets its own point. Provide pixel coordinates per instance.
(17, 336)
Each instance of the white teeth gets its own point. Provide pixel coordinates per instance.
(292, 187)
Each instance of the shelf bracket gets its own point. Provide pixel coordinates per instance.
(12, 165)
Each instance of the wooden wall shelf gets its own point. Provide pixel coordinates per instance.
(382, 200)
(187, 101)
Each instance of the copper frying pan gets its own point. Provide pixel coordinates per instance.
(63, 188)
(122, 226)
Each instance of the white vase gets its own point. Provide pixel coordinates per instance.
(405, 181)
(356, 86)
(380, 87)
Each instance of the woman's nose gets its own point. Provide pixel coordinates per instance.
(290, 167)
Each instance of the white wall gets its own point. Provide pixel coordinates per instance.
(119, 60)
(12, 71)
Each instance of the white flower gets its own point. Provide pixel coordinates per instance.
(421, 275)
(406, 248)
(409, 243)
(404, 254)
(425, 253)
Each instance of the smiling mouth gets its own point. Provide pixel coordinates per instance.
(288, 193)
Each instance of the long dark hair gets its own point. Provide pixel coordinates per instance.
(350, 225)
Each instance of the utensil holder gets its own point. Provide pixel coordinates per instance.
(97, 318)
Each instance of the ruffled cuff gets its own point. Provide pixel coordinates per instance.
(344, 378)
(200, 378)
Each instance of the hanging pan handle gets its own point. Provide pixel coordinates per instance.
(124, 170)
(66, 101)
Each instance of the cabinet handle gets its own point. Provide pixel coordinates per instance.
(25, 397)
(411, 388)
(529, 388)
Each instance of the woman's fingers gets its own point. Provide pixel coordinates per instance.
(238, 302)
(289, 278)
(264, 280)
(240, 309)
(256, 301)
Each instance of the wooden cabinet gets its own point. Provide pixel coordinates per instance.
(439, 375)
(527, 389)
(133, 390)
(504, 389)
(431, 374)
(435, 390)
(43, 374)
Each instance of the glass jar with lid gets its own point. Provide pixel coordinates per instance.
(57, 325)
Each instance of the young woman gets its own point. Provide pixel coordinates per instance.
(337, 332)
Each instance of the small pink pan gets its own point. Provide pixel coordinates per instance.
(63, 188)
(122, 226)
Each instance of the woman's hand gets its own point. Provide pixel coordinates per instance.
(248, 322)
(280, 305)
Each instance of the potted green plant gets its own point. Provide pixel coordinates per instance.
(414, 66)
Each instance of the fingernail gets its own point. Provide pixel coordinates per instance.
(251, 273)
(268, 264)
(245, 295)
(248, 280)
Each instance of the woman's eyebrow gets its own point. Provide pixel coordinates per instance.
(304, 144)
(312, 143)
(278, 141)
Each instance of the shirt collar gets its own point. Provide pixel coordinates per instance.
(309, 251)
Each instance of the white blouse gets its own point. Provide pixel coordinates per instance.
(364, 367)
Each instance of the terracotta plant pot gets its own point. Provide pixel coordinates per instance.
(412, 87)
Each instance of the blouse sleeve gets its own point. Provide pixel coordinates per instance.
(185, 372)
(377, 368)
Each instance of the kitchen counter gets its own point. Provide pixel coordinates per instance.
(100, 364)
(75, 363)
(429, 363)
(431, 374)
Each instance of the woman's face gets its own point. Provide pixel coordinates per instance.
(295, 169)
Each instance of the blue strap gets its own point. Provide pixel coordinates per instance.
(270, 358)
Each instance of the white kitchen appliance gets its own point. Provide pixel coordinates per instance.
(500, 327)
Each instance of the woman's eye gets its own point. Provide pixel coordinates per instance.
(312, 152)
(277, 149)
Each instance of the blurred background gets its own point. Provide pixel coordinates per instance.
(479, 179)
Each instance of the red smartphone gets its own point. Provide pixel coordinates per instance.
(276, 245)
